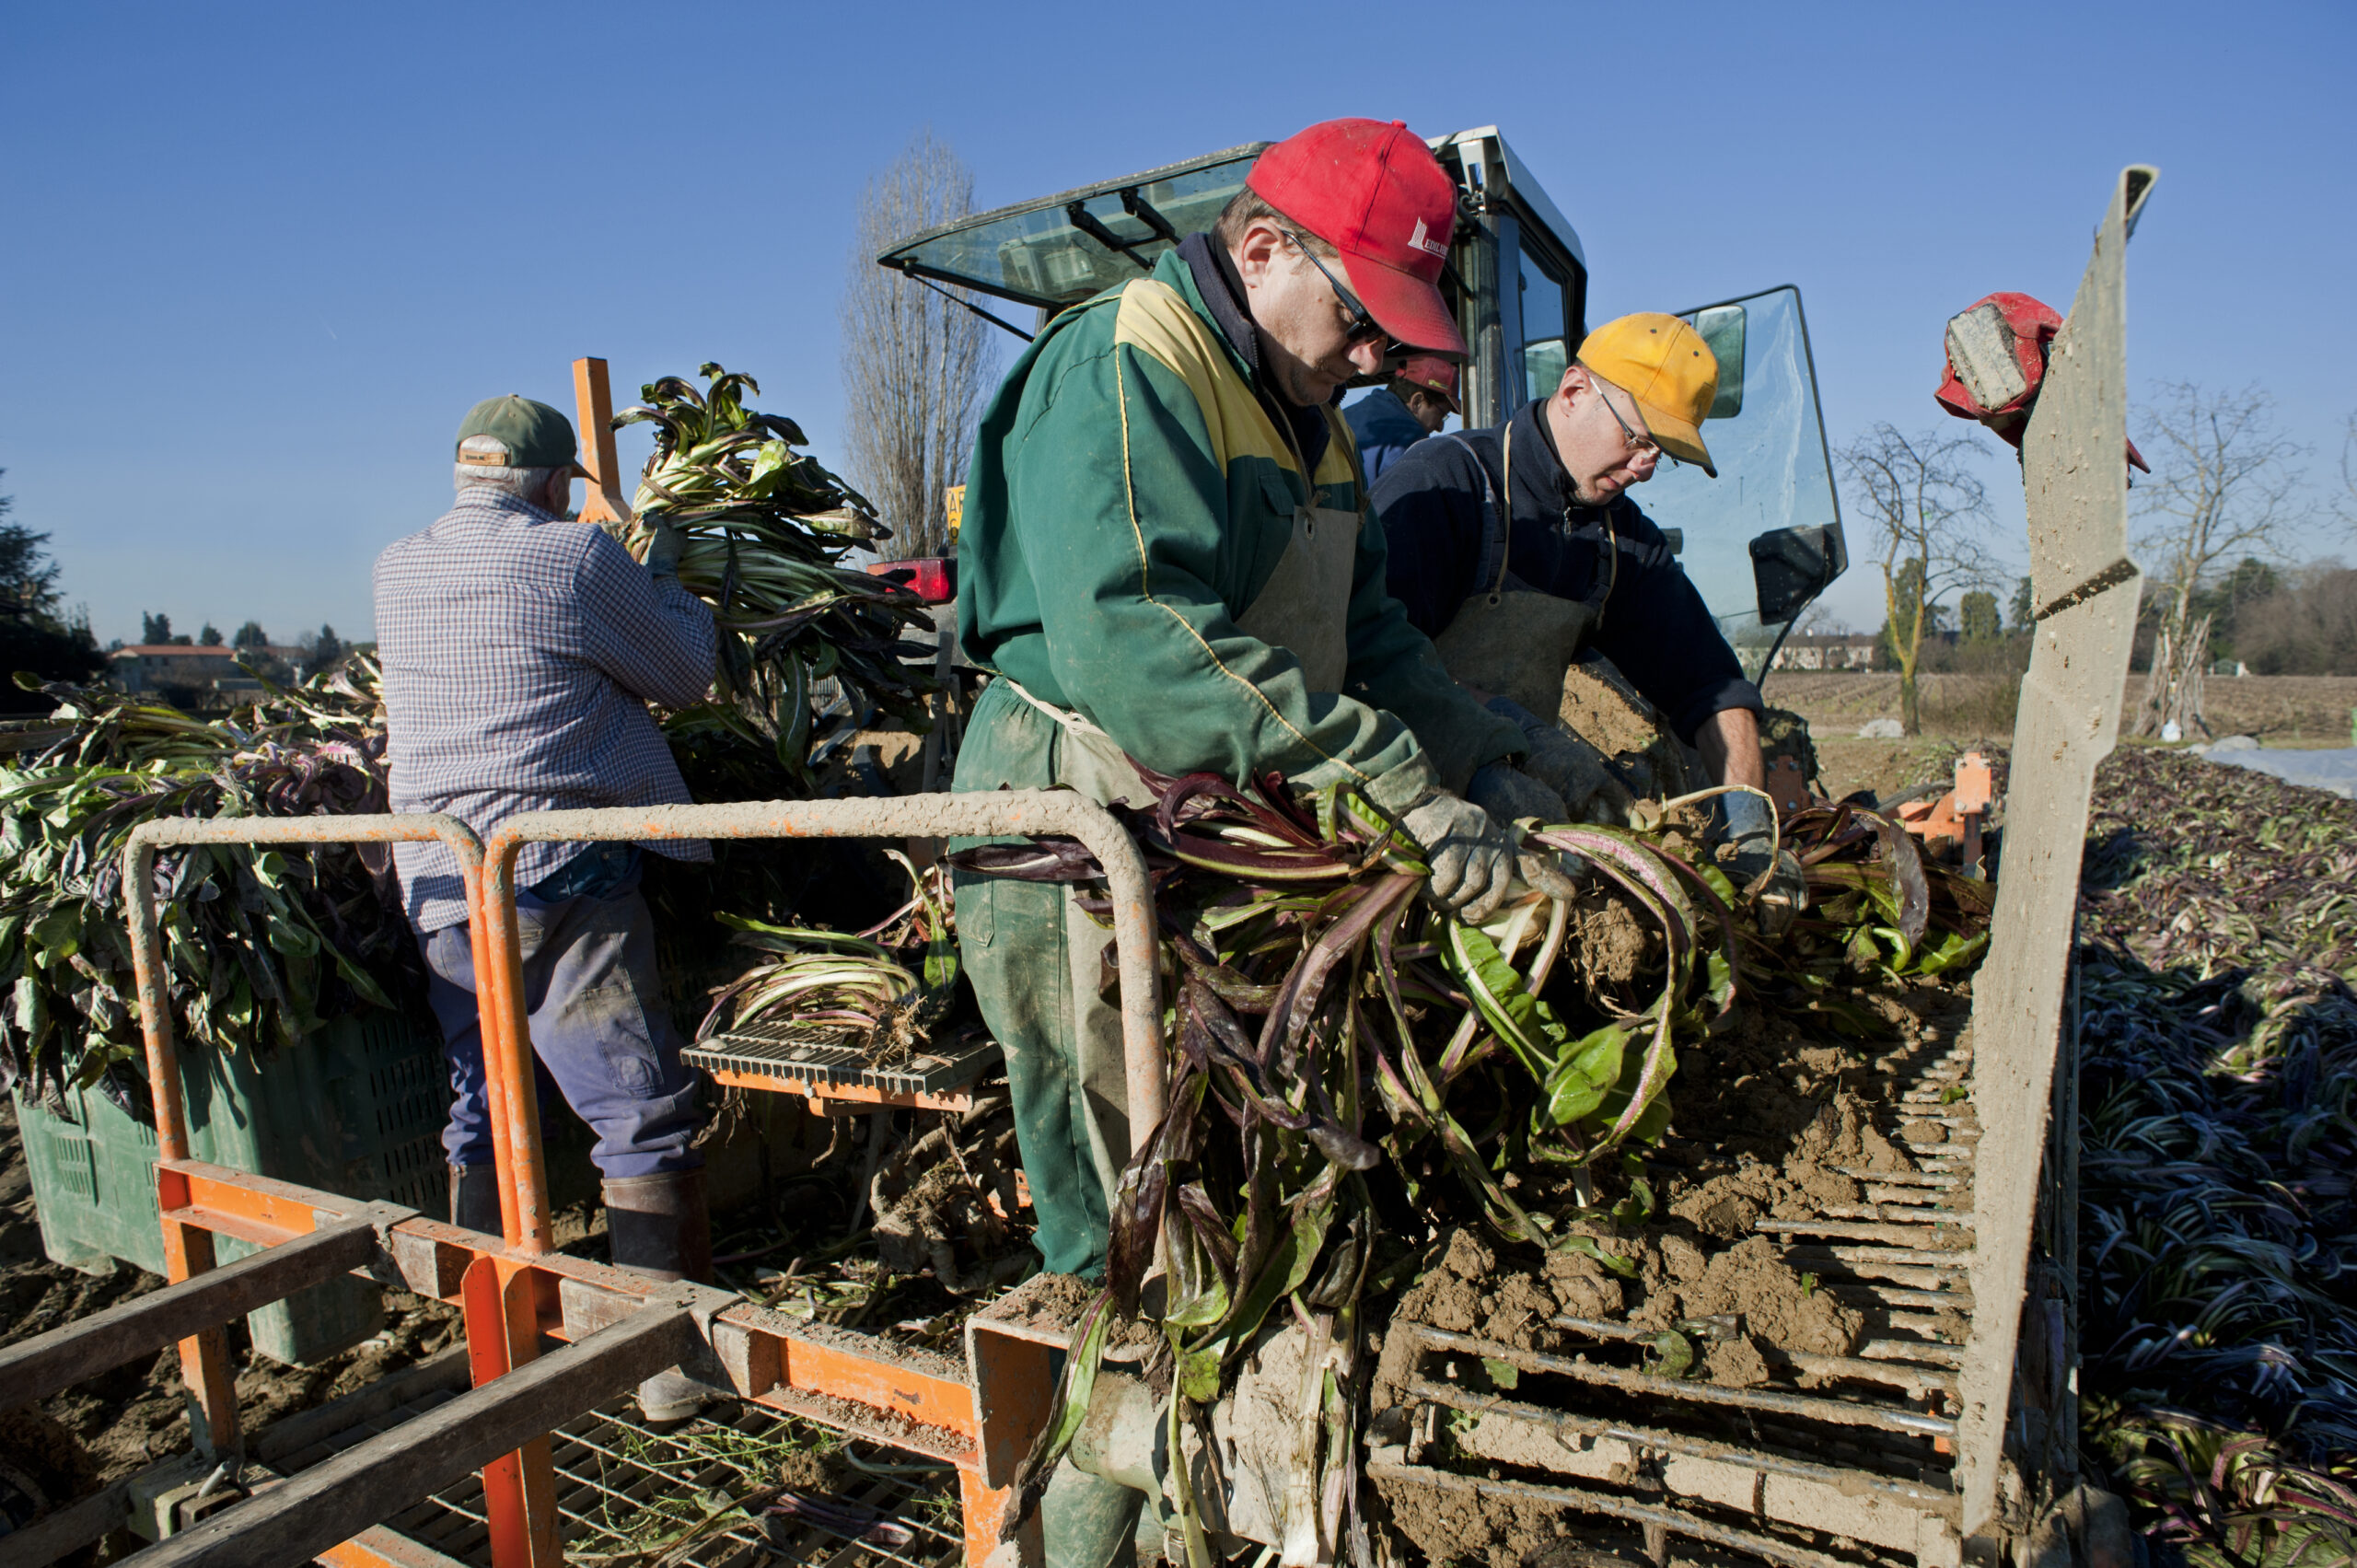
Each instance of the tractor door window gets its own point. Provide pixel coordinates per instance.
(1544, 352)
(1752, 533)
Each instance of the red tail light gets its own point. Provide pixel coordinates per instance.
(933, 578)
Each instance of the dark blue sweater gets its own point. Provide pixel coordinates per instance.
(1383, 427)
(1655, 627)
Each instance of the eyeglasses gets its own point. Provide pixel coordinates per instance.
(1638, 444)
(1362, 328)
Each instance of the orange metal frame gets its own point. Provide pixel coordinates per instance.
(512, 1290)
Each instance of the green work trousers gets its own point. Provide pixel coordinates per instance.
(1038, 969)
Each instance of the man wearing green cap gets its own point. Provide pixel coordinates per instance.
(520, 651)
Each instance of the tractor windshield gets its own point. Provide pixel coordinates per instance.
(1059, 250)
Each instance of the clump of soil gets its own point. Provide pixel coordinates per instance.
(1046, 1301)
(1464, 1527)
(1601, 706)
(1606, 940)
(809, 1470)
(943, 1202)
(1775, 1306)
(1604, 709)
(1769, 1120)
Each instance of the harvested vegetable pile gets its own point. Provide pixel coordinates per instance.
(261, 947)
(1405, 1072)
(766, 529)
(265, 947)
(902, 1237)
(2219, 1137)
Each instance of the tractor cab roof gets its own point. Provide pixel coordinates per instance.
(1056, 251)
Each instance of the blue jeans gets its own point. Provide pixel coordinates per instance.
(599, 1024)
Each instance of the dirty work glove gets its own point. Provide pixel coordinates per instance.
(1510, 795)
(663, 552)
(1472, 855)
(1780, 891)
(1570, 766)
(1749, 827)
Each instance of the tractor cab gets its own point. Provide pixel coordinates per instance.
(1759, 541)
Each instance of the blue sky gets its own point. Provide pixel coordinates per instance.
(259, 259)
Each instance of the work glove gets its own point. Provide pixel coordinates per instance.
(1779, 889)
(1510, 795)
(663, 550)
(1472, 854)
(1570, 766)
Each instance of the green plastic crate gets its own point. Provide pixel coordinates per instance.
(356, 1110)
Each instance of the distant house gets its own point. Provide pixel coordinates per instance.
(1826, 650)
(150, 666)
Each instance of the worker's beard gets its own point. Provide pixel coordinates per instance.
(1586, 494)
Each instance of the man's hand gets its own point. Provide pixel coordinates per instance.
(1751, 829)
(1781, 889)
(1510, 795)
(1568, 766)
(1470, 854)
(663, 551)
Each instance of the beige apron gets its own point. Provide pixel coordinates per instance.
(1512, 641)
(1305, 608)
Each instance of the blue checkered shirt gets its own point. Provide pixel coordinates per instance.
(519, 654)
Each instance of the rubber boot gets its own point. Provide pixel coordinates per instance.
(1087, 1521)
(474, 1198)
(657, 1226)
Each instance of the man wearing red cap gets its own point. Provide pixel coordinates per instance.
(1165, 554)
(1389, 420)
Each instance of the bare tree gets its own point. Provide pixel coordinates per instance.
(1821, 619)
(1929, 515)
(915, 363)
(2345, 506)
(2226, 485)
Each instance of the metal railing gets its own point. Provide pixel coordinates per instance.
(616, 1326)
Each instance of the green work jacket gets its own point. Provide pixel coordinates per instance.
(1129, 497)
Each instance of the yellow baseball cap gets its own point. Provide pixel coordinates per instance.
(1666, 367)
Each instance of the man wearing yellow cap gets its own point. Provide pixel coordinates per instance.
(1510, 593)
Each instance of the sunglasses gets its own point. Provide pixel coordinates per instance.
(1362, 328)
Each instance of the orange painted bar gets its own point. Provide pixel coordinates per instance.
(982, 1508)
(864, 1094)
(881, 1385)
(252, 1208)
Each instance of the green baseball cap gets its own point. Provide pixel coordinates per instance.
(535, 435)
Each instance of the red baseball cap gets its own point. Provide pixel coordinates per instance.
(1434, 374)
(1375, 193)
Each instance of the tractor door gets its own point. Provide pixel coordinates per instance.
(1764, 538)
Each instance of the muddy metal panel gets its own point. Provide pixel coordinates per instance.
(2074, 470)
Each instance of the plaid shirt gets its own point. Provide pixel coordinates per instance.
(519, 654)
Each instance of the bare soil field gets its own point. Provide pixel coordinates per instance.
(2281, 710)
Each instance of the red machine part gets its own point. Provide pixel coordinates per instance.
(1996, 363)
(933, 578)
(1786, 786)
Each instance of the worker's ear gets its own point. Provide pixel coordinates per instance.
(1259, 252)
(1574, 376)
